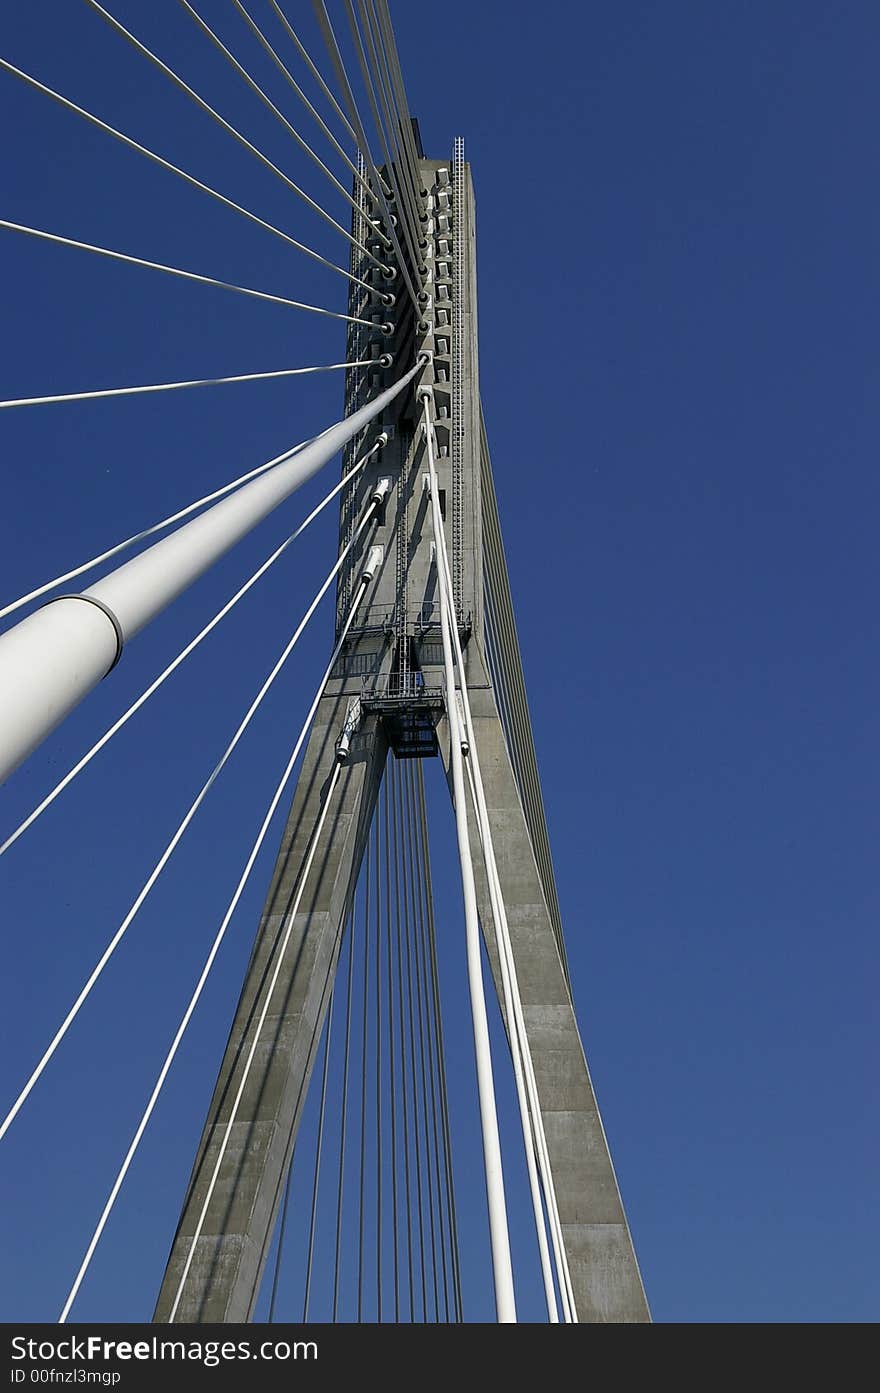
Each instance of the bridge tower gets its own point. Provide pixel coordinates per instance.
(385, 693)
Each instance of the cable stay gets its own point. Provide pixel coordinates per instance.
(181, 657)
(188, 178)
(160, 527)
(340, 1187)
(313, 69)
(183, 274)
(368, 1184)
(365, 1020)
(322, 124)
(267, 101)
(313, 1215)
(501, 1262)
(328, 993)
(177, 386)
(427, 1045)
(411, 1031)
(409, 1093)
(387, 43)
(392, 59)
(178, 834)
(221, 932)
(530, 1113)
(439, 1047)
(391, 1033)
(56, 655)
(408, 221)
(377, 27)
(333, 48)
(397, 148)
(270, 989)
(230, 129)
(388, 1244)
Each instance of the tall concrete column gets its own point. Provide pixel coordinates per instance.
(393, 661)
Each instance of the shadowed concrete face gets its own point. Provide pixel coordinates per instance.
(224, 1276)
(604, 1271)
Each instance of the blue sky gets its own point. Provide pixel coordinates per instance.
(678, 222)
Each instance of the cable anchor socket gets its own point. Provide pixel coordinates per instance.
(462, 725)
(350, 728)
(381, 491)
(374, 560)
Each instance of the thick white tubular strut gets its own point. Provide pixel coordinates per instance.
(178, 834)
(53, 658)
(175, 386)
(500, 1239)
(215, 946)
(63, 241)
(527, 1093)
(181, 657)
(148, 531)
(184, 174)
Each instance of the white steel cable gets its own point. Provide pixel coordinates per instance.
(149, 531)
(313, 1217)
(516, 1053)
(175, 839)
(57, 655)
(501, 1263)
(532, 1118)
(399, 193)
(394, 121)
(508, 967)
(400, 127)
(392, 60)
(336, 58)
(193, 1002)
(394, 68)
(285, 71)
(267, 101)
(383, 189)
(529, 1104)
(304, 53)
(175, 386)
(452, 1217)
(406, 215)
(510, 989)
(190, 179)
(338, 63)
(176, 662)
(227, 126)
(177, 271)
(291, 917)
